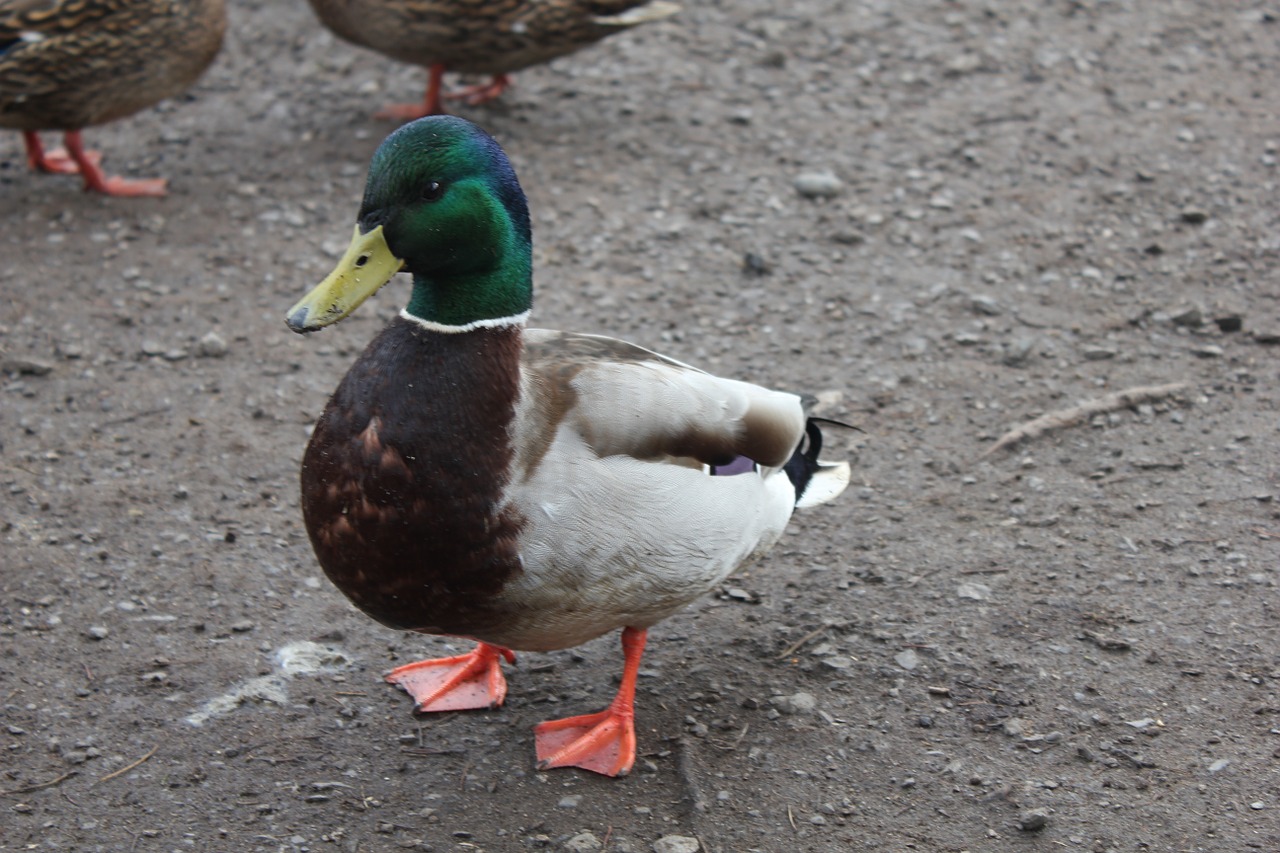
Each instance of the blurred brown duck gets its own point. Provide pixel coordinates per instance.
(70, 64)
(494, 37)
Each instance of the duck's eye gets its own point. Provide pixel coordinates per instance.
(432, 191)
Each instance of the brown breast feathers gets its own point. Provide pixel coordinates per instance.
(405, 471)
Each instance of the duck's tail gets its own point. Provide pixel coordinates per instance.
(642, 13)
(816, 481)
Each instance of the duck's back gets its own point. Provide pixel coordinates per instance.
(476, 36)
(624, 521)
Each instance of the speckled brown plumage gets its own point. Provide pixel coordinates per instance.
(70, 64)
(481, 36)
(403, 479)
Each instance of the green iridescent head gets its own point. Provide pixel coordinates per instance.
(442, 203)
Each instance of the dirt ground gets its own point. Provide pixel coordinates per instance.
(1020, 206)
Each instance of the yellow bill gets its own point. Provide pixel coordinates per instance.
(367, 265)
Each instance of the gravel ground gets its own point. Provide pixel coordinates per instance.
(947, 219)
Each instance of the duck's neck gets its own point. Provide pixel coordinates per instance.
(489, 298)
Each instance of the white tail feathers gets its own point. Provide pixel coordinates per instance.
(655, 11)
(828, 481)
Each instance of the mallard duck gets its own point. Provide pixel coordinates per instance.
(524, 488)
(71, 64)
(493, 37)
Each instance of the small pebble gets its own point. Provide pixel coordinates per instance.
(974, 591)
(1193, 216)
(26, 366)
(907, 659)
(1190, 316)
(987, 305)
(583, 842)
(1033, 820)
(676, 844)
(1017, 353)
(1208, 351)
(570, 802)
(798, 703)
(1231, 322)
(818, 185)
(212, 345)
(98, 632)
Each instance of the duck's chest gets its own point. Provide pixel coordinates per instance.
(402, 483)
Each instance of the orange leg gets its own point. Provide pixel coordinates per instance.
(604, 742)
(96, 181)
(460, 683)
(431, 105)
(474, 95)
(55, 162)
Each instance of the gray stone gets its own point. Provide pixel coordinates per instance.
(797, 703)
(583, 842)
(212, 345)
(974, 591)
(818, 185)
(983, 304)
(676, 844)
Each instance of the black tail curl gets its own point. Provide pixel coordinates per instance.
(804, 463)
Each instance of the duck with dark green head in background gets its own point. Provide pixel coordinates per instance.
(70, 64)
(527, 489)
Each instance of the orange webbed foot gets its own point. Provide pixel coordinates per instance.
(128, 188)
(86, 163)
(458, 683)
(405, 112)
(58, 161)
(604, 742)
(431, 103)
(481, 94)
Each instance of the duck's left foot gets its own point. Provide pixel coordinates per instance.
(432, 104)
(87, 164)
(481, 94)
(405, 112)
(459, 683)
(604, 742)
(127, 188)
(55, 162)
